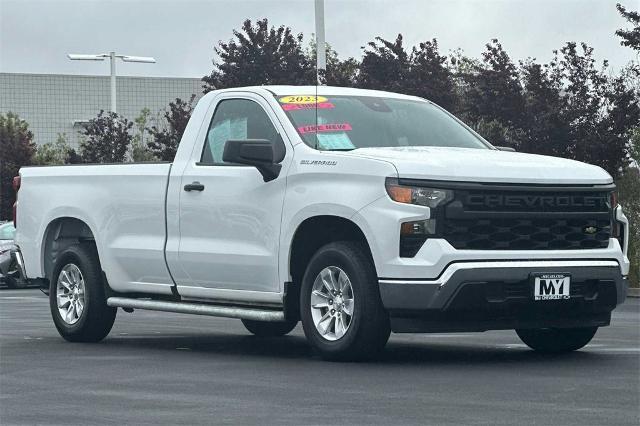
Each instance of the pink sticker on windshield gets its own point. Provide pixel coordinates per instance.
(335, 127)
(294, 107)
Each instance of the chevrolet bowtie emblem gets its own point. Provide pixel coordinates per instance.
(590, 230)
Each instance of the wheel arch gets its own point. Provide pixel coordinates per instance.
(59, 234)
(316, 231)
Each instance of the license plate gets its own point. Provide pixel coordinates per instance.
(551, 286)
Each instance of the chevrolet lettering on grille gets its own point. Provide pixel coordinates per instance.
(517, 200)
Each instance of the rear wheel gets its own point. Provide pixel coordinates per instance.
(269, 329)
(341, 310)
(557, 340)
(76, 296)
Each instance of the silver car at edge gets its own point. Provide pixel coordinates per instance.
(9, 271)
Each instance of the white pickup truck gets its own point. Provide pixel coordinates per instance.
(356, 212)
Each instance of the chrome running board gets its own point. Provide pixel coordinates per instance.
(197, 309)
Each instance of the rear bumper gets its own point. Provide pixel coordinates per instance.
(479, 296)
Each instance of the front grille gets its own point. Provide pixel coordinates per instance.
(486, 217)
(527, 234)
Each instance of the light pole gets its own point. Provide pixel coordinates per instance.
(112, 58)
(321, 49)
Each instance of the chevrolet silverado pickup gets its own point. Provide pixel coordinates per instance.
(356, 212)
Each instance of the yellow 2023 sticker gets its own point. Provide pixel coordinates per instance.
(302, 99)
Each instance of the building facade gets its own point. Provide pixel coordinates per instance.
(56, 104)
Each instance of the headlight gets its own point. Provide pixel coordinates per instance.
(429, 197)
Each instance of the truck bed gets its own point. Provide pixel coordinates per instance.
(123, 203)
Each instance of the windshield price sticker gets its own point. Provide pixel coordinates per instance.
(335, 141)
(334, 127)
(294, 107)
(302, 99)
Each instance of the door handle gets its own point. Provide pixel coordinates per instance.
(194, 186)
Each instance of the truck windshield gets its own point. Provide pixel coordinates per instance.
(350, 122)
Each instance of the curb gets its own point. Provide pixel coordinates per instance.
(633, 292)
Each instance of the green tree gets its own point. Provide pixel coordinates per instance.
(166, 138)
(139, 149)
(259, 55)
(461, 66)
(634, 146)
(16, 150)
(55, 153)
(620, 124)
(593, 105)
(492, 92)
(385, 66)
(430, 77)
(544, 129)
(107, 140)
(341, 73)
(630, 38)
(496, 131)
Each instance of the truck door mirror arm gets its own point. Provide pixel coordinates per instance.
(253, 152)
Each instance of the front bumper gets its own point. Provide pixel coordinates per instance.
(17, 256)
(381, 221)
(479, 296)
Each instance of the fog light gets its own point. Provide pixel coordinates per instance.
(414, 234)
(421, 227)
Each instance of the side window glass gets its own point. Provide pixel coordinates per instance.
(236, 119)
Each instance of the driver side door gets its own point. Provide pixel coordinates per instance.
(229, 217)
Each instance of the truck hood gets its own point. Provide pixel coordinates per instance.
(484, 165)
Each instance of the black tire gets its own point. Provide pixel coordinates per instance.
(557, 340)
(96, 319)
(269, 329)
(369, 328)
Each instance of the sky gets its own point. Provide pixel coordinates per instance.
(36, 35)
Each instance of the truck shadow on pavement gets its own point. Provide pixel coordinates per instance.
(296, 347)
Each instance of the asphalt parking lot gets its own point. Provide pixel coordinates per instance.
(176, 369)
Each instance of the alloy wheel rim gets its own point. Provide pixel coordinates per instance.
(70, 294)
(332, 303)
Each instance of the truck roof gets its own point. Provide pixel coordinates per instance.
(282, 90)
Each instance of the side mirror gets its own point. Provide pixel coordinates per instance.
(505, 148)
(253, 152)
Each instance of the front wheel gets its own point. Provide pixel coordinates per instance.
(76, 296)
(341, 310)
(557, 340)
